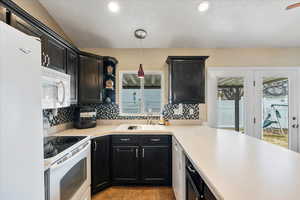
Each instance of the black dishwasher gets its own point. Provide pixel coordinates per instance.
(196, 189)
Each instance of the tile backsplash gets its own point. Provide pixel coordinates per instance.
(112, 112)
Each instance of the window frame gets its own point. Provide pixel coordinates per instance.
(144, 113)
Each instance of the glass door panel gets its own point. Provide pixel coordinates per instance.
(276, 110)
(230, 103)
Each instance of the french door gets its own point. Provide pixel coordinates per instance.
(275, 107)
(260, 102)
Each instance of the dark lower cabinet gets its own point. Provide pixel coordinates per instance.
(100, 163)
(125, 165)
(141, 160)
(90, 79)
(131, 160)
(72, 70)
(155, 164)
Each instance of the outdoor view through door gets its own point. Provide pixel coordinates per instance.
(230, 103)
(258, 102)
(275, 110)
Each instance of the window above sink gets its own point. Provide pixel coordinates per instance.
(141, 96)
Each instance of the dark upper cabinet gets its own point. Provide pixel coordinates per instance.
(90, 79)
(72, 70)
(100, 163)
(29, 29)
(2, 13)
(155, 167)
(125, 165)
(55, 54)
(186, 79)
(25, 26)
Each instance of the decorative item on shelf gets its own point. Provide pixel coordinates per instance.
(109, 80)
(110, 70)
(141, 34)
(109, 84)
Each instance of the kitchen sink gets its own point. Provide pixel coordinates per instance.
(140, 127)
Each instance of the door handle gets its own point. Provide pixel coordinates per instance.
(295, 126)
(143, 153)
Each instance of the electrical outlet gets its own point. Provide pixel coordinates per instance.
(191, 111)
(180, 109)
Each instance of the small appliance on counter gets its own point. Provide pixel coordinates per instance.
(85, 117)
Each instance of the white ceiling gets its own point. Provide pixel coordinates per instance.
(178, 24)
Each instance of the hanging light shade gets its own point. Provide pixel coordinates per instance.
(141, 73)
(141, 34)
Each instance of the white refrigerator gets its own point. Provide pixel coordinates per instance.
(21, 130)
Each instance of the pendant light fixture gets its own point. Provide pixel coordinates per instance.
(141, 34)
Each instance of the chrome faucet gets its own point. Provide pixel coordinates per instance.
(149, 117)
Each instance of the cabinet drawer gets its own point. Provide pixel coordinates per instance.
(155, 139)
(125, 139)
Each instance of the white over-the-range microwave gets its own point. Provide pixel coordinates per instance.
(56, 88)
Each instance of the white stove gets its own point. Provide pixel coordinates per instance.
(70, 167)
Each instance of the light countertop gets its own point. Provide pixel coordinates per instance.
(235, 166)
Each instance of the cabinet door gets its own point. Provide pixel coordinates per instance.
(72, 70)
(187, 81)
(25, 27)
(155, 164)
(125, 166)
(2, 13)
(100, 163)
(56, 54)
(90, 80)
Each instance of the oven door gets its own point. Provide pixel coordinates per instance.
(70, 178)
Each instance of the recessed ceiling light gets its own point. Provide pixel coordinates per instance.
(113, 6)
(203, 6)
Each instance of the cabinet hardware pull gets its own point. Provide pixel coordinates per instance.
(136, 153)
(46, 60)
(155, 140)
(125, 139)
(95, 145)
(49, 60)
(190, 169)
(43, 59)
(143, 153)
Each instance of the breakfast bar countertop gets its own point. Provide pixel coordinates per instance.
(235, 166)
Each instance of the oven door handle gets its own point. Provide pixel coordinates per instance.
(69, 156)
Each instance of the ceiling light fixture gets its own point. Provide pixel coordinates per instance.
(113, 6)
(203, 6)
